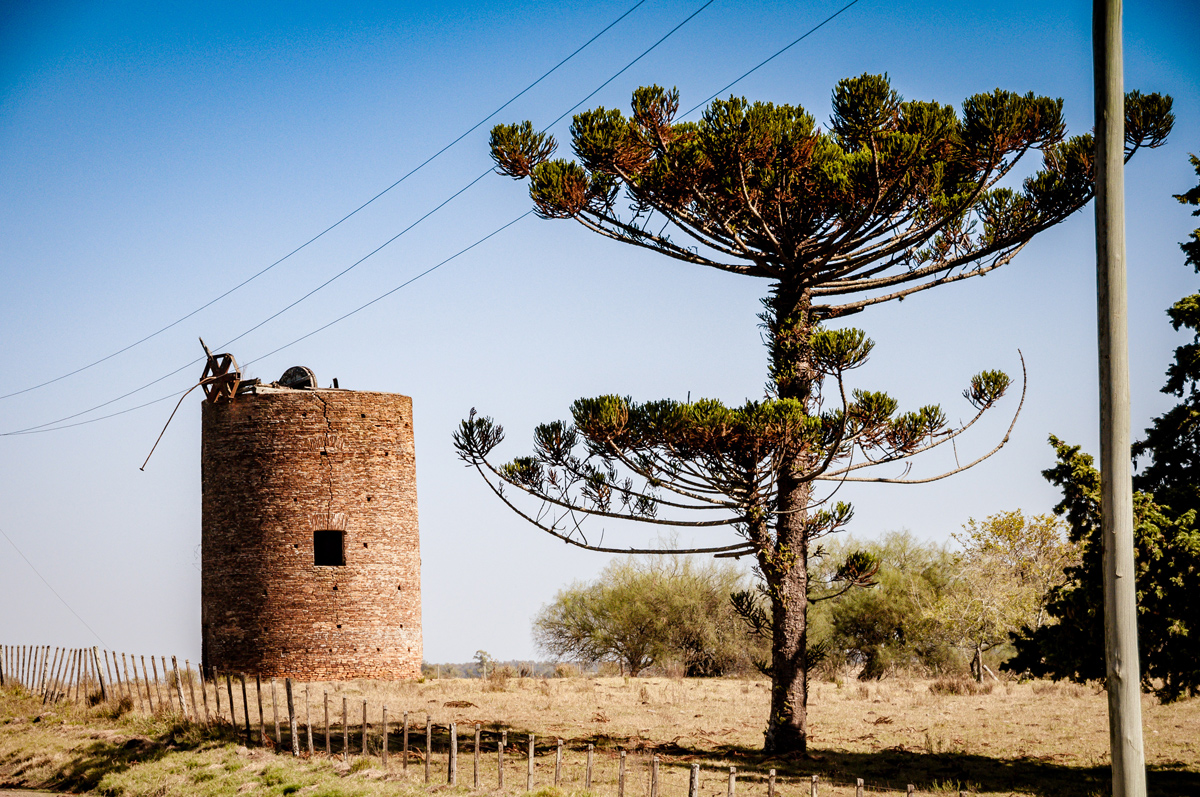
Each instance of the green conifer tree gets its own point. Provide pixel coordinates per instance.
(1166, 541)
(896, 197)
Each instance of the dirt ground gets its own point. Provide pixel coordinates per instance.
(1035, 738)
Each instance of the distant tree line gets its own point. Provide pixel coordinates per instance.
(929, 608)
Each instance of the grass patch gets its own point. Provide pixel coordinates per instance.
(941, 735)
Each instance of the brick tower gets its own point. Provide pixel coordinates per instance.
(310, 554)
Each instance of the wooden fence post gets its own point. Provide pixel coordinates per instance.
(49, 682)
(813, 793)
(694, 781)
(328, 743)
(452, 772)
(287, 686)
(245, 706)
(654, 776)
(308, 717)
(345, 728)
(621, 776)
(732, 781)
(64, 671)
(99, 677)
(558, 763)
(477, 756)
(203, 690)
(911, 790)
(404, 742)
(262, 722)
(41, 682)
(216, 676)
(274, 712)
(364, 728)
(187, 670)
(771, 784)
(858, 788)
(529, 766)
(500, 759)
(384, 751)
(229, 687)
(137, 687)
(166, 678)
(123, 667)
(60, 656)
(81, 672)
(179, 687)
(587, 780)
(428, 744)
(70, 682)
(158, 692)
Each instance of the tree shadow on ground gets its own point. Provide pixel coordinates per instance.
(894, 769)
(86, 765)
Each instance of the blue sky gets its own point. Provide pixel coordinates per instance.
(154, 155)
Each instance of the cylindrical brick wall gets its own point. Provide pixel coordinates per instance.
(278, 466)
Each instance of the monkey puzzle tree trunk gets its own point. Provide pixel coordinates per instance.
(787, 728)
(785, 563)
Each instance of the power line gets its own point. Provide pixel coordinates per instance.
(778, 53)
(47, 583)
(339, 319)
(56, 423)
(337, 223)
(383, 296)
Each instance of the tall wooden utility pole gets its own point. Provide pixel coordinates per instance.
(1116, 486)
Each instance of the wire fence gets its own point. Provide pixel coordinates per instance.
(289, 717)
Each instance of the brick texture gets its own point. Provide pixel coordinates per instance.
(277, 465)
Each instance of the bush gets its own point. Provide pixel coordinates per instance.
(566, 670)
(667, 612)
(887, 628)
(957, 685)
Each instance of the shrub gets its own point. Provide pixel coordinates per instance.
(957, 685)
(566, 670)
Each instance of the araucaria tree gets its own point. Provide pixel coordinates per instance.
(896, 197)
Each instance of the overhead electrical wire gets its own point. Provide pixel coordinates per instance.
(52, 589)
(57, 423)
(777, 53)
(337, 223)
(322, 328)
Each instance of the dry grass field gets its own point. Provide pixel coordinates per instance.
(1035, 738)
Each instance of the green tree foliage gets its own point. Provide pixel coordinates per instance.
(1172, 443)
(1008, 566)
(895, 197)
(1166, 542)
(1167, 573)
(644, 612)
(889, 628)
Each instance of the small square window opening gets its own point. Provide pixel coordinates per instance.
(329, 548)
